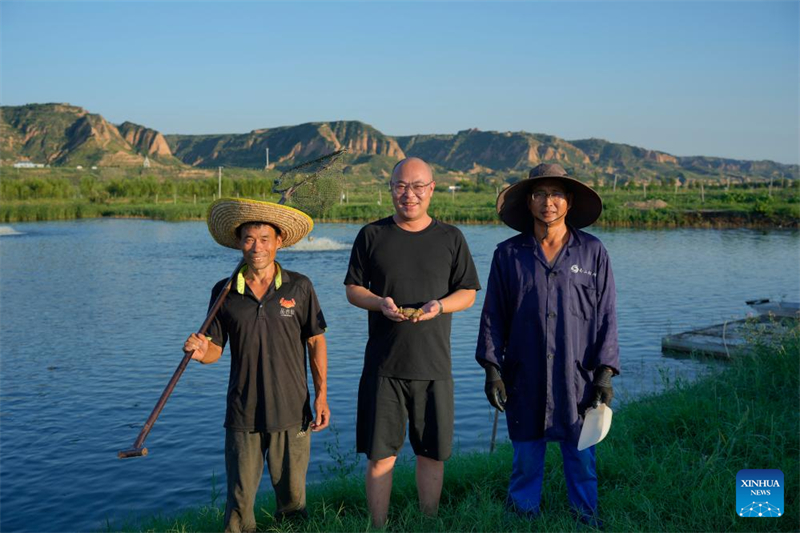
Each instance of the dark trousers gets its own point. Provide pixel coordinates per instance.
(527, 474)
(286, 453)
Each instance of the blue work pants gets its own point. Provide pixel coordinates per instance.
(527, 473)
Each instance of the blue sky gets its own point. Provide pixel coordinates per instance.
(688, 78)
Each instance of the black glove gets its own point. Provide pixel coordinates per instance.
(495, 389)
(602, 391)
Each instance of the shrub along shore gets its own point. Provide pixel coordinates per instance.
(668, 464)
(787, 216)
(59, 194)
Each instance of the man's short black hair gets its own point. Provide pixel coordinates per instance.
(257, 224)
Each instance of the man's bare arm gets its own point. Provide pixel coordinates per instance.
(318, 357)
(452, 303)
(458, 301)
(366, 299)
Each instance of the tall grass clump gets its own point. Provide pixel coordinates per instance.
(669, 464)
(167, 212)
(38, 211)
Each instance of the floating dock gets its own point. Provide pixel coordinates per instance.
(732, 338)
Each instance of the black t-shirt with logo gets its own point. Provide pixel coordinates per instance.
(412, 268)
(268, 387)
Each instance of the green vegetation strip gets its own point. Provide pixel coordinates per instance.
(58, 195)
(669, 464)
(467, 211)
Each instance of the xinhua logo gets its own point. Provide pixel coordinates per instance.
(759, 493)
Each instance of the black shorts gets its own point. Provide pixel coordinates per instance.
(386, 404)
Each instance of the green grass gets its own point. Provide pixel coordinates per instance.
(36, 211)
(58, 194)
(669, 464)
(473, 209)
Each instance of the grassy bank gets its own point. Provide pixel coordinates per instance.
(477, 210)
(669, 464)
(60, 195)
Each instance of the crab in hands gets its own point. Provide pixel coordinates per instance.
(410, 312)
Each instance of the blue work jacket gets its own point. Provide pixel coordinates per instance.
(548, 329)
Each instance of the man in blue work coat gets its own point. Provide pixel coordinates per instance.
(548, 332)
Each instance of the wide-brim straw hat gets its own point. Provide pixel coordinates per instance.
(512, 203)
(227, 214)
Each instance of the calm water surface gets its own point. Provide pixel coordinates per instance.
(93, 315)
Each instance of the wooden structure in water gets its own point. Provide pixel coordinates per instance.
(732, 338)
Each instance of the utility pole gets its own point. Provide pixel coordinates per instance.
(219, 182)
(267, 165)
(615, 182)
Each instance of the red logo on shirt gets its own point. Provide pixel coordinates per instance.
(288, 304)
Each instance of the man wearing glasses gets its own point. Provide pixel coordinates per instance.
(548, 333)
(411, 261)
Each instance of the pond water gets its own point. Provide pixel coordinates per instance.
(93, 315)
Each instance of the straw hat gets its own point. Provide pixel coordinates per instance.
(512, 203)
(227, 214)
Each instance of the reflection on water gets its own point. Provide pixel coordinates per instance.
(94, 314)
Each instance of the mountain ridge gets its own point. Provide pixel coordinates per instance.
(63, 134)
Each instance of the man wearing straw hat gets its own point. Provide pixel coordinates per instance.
(548, 332)
(413, 261)
(270, 316)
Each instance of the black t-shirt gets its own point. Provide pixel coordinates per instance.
(268, 387)
(412, 268)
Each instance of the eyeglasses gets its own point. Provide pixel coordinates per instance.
(556, 196)
(400, 188)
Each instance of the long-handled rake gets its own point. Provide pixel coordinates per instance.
(138, 448)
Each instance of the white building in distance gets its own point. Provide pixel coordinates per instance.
(27, 164)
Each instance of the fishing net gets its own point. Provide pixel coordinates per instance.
(313, 187)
